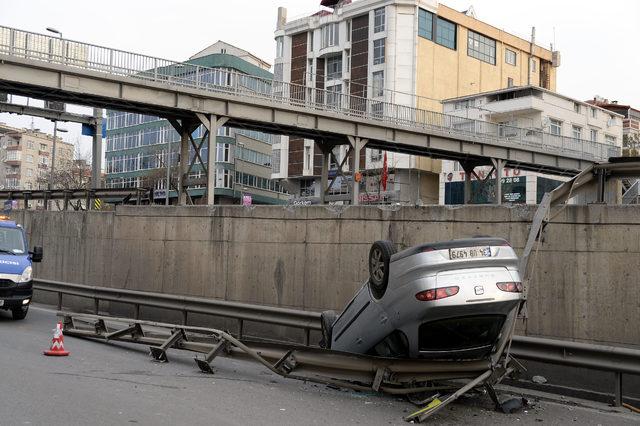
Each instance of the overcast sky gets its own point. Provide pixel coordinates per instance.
(598, 40)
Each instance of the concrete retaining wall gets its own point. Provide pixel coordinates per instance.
(585, 287)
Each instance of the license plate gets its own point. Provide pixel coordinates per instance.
(1, 302)
(469, 253)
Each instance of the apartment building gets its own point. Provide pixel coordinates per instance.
(26, 158)
(630, 123)
(137, 145)
(530, 114)
(408, 52)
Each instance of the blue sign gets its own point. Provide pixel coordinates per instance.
(89, 130)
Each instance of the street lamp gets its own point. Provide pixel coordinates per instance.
(235, 167)
(53, 30)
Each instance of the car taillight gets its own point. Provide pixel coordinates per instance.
(511, 287)
(437, 293)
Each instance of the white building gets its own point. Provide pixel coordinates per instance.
(530, 113)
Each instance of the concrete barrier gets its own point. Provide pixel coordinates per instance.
(585, 282)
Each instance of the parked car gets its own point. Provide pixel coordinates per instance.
(447, 300)
(16, 288)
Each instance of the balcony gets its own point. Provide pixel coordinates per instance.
(14, 148)
(43, 153)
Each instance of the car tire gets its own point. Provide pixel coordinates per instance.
(327, 318)
(20, 313)
(379, 259)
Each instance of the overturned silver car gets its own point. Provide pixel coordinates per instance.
(446, 300)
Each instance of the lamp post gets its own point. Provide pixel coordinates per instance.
(59, 33)
(235, 167)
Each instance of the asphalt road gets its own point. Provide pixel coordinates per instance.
(100, 384)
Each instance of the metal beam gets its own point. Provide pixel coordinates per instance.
(49, 114)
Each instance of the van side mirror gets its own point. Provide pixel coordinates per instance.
(36, 254)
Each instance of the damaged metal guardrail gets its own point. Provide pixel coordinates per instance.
(598, 357)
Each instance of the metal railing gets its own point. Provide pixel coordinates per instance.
(632, 195)
(617, 360)
(133, 195)
(115, 62)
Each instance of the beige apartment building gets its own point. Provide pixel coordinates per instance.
(25, 158)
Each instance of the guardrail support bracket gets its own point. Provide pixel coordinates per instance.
(159, 353)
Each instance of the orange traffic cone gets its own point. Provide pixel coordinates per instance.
(57, 343)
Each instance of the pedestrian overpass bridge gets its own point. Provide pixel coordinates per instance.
(188, 95)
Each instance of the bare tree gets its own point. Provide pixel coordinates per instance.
(72, 174)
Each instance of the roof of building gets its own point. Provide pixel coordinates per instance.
(219, 45)
(522, 88)
(607, 105)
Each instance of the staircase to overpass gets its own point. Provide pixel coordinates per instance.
(190, 95)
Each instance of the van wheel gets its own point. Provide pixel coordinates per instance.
(327, 318)
(20, 313)
(379, 258)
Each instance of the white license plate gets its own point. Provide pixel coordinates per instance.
(469, 253)
(1, 302)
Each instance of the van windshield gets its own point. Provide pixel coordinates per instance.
(11, 241)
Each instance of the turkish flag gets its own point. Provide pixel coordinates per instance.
(385, 173)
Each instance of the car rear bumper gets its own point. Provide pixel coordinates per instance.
(13, 295)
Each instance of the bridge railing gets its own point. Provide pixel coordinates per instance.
(121, 63)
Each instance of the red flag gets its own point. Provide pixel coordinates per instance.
(385, 173)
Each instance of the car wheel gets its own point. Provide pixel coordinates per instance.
(327, 318)
(379, 258)
(20, 313)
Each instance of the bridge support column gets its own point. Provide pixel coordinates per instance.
(184, 127)
(324, 176)
(212, 124)
(469, 167)
(96, 153)
(357, 144)
(498, 165)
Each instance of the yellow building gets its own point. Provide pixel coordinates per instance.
(480, 58)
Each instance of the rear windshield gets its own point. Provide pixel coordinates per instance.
(11, 240)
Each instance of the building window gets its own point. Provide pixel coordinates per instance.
(29, 158)
(279, 47)
(594, 113)
(509, 56)
(378, 51)
(30, 172)
(509, 82)
(577, 132)
(334, 67)
(577, 108)
(446, 33)
(43, 147)
(533, 65)
(334, 93)
(593, 135)
(310, 49)
(223, 153)
(347, 58)
(349, 30)
(310, 70)
(378, 20)
(425, 24)
(378, 84)
(30, 145)
(555, 127)
(610, 139)
(44, 160)
(330, 35)
(481, 47)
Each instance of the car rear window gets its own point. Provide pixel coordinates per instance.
(454, 334)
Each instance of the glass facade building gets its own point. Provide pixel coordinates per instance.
(137, 147)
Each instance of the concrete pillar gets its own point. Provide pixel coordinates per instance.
(324, 176)
(96, 151)
(357, 144)
(184, 165)
(499, 166)
(212, 160)
(468, 170)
